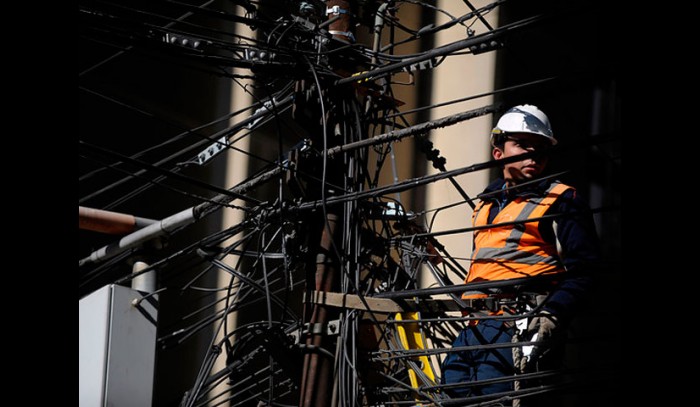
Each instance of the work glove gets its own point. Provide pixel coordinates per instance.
(546, 330)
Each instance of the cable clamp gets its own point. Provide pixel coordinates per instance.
(327, 329)
(345, 33)
(336, 10)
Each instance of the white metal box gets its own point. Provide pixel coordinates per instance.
(117, 338)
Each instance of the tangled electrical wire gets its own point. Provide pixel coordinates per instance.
(316, 215)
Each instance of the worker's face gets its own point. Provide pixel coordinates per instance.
(529, 168)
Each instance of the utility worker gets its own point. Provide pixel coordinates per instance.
(520, 244)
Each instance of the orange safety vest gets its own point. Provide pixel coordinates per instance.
(515, 250)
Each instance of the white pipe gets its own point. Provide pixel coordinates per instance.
(161, 228)
(145, 282)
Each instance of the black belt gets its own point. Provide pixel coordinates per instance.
(495, 303)
(492, 304)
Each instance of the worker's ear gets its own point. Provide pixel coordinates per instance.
(497, 153)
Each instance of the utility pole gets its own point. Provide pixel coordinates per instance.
(317, 373)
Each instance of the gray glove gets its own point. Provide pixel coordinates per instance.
(543, 328)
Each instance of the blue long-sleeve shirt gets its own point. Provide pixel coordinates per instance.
(576, 233)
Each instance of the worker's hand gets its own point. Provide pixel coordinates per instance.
(545, 325)
(547, 330)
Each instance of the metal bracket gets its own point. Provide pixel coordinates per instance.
(330, 328)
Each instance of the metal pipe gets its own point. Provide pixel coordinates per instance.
(112, 223)
(169, 224)
(158, 229)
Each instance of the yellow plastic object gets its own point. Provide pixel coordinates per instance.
(411, 337)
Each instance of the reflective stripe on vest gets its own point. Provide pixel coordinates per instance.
(516, 250)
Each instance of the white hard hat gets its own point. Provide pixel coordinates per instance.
(524, 119)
